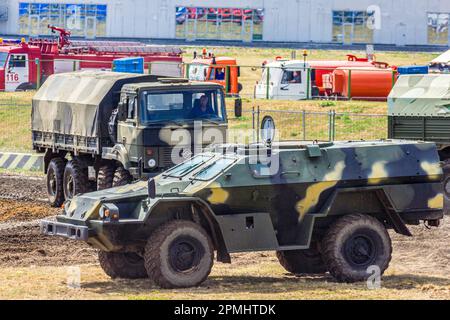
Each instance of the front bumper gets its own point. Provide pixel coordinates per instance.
(65, 230)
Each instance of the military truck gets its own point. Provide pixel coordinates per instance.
(321, 206)
(103, 129)
(419, 109)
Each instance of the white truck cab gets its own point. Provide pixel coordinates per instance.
(284, 80)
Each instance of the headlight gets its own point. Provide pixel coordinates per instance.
(152, 163)
(109, 211)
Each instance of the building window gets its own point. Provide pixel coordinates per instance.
(219, 23)
(83, 20)
(352, 27)
(438, 28)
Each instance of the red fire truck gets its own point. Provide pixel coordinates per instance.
(25, 64)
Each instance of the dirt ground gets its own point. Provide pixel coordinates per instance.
(37, 267)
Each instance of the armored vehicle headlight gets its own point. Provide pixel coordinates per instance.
(109, 211)
(152, 163)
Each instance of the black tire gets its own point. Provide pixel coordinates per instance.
(446, 186)
(303, 261)
(168, 245)
(76, 179)
(125, 265)
(105, 177)
(121, 177)
(55, 188)
(353, 244)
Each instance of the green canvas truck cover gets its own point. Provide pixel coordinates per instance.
(420, 95)
(80, 103)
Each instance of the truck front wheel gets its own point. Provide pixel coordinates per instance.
(125, 265)
(105, 177)
(353, 244)
(55, 175)
(121, 177)
(303, 261)
(76, 179)
(179, 254)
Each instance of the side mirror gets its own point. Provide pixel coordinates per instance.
(122, 114)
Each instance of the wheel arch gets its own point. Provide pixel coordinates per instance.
(193, 209)
(373, 201)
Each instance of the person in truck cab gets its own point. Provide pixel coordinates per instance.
(296, 78)
(202, 107)
(220, 75)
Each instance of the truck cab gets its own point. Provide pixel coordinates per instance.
(157, 123)
(284, 80)
(221, 70)
(18, 70)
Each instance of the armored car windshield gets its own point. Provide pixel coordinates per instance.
(188, 166)
(182, 105)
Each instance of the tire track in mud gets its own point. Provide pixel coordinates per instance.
(23, 205)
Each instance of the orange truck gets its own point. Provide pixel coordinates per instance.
(221, 70)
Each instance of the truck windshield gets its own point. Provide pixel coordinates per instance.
(3, 58)
(186, 167)
(182, 106)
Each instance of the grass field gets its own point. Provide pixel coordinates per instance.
(15, 134)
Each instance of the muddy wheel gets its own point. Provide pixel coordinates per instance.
(75, 180)
(121, 177)
(55, 175)
(353, 244)
(126, 265)
(446, 169)
(303, 261)
(105, 177)
(179, 254)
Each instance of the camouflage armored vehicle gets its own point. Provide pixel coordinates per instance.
(104, 129)
(322, 207)
(419, 109)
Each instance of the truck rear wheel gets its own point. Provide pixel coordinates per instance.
(121, 177)
(55, 175)
(179, 254)
(105, 177)
(303, 261)
(125, 265)
(353, 244)
(76, 179)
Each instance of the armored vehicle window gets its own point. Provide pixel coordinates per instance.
(182, 105)
(187, 167)
(214, 169)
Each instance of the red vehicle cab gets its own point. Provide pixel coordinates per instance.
(222, 70)
(24, 64)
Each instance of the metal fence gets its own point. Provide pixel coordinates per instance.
(15, 128)
(15, 125)
(322, 126)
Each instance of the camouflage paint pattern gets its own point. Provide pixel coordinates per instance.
(302, 193)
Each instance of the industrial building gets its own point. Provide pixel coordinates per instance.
(390, 22)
